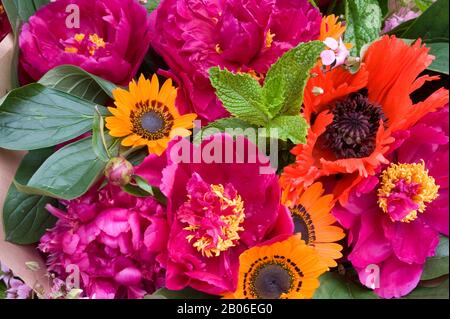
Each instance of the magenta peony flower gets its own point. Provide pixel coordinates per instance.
(110, 41)
(114, 238)
(394, 218)
(216, 211)
(241, 35)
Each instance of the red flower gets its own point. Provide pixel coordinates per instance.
(353, 120)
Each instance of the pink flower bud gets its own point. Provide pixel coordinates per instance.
(119, 171)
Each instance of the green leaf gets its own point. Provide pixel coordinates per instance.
(335, 286)
(439, 292)
(293, 128)
(135, 191)
(19, 11)
(432, 25)
(231, 124)
(240, 94)
(364, 19)
(287, 78)
(423, 5)
(34, 117)
(99, 144)
(69, 172)
(187, 293)
(76, 81)
(143, 184)
(25, 218)
(437, 265)
(440, 51)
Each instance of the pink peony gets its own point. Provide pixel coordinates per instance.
(241, 35)
(111, 40)
(114, 238)
(216, 211)
(394, 218)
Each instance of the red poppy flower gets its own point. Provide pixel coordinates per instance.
(352, 122)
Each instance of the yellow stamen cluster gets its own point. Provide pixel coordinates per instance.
(269, 38)
(96, 41)
(229, 232)
(410, 174)
(2, 10)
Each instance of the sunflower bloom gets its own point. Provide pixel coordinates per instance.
(311, 211)
(353, 122)
(146, 115)
(287, 269)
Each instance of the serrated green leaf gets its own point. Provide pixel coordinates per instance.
(286, 80)
(69, 172)
(241, 95)
(437, 265)
(335, 286)
(293, 128)
(75, 81)
(25, 218)
(364, 20)
(187, 293)
(440, 51)
(222, 125)
(34, 117)
(432, 25)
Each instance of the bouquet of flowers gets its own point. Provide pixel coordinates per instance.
(238, 149)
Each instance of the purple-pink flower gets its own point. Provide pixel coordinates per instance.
(395, 218)
(242, 35)
(115, 239)
(110, 41)
(217, 208)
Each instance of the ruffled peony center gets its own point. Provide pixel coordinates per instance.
(91, 45)
(355, 125)
(213, 215)
(405, 190)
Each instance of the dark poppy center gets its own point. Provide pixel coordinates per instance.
(355, 124)
(271, 281)
(152, 122)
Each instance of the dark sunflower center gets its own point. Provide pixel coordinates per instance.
(303, 224)
(353, 131)
(152, 121)
(271, 281)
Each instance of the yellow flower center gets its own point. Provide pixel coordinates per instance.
(2, 10)
(90, 45)
(405, 190)
(222, 233)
